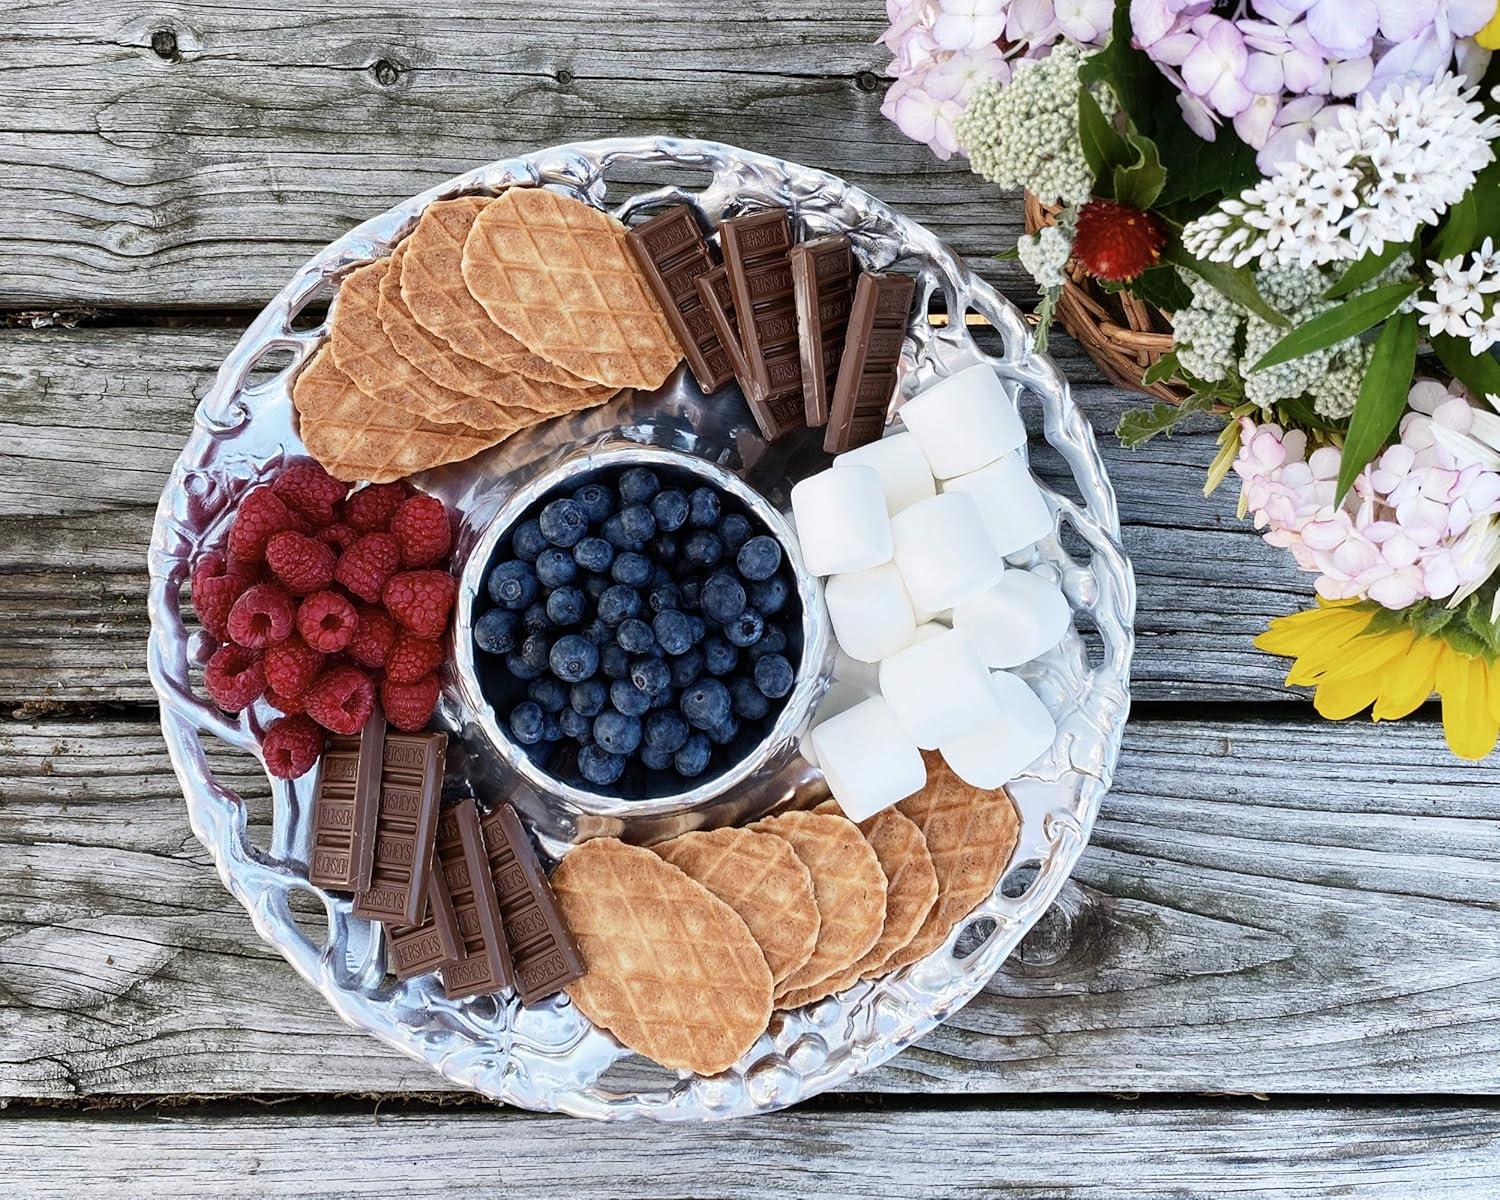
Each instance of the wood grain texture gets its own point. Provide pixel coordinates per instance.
(1264, 906)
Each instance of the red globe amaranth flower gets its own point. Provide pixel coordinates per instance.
(1116, 243)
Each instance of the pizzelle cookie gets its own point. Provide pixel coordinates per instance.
(971, 834)
(761, 878)
(670, 969)
(557, 275)
(848, 886)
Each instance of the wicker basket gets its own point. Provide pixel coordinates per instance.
(1123, 335)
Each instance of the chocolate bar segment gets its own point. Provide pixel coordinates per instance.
(867, 370)
(822, 286)
(765, 312)
(411, 783)
(542, 950)
(483, 965)
(718, 302)
(344, 807)
(418, 949)
(673, 254)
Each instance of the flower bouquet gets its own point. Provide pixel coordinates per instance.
(1308, 191)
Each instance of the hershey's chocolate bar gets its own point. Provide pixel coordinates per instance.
(867, 370)
(822, 285)
(418, 949)
(483, 965)
(344, 808)
(760, 279)
(411, 783)
(673, 254)
(542, 950)
(773, 419)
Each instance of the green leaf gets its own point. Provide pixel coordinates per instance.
(1234, 282)
(1140, 425)
(1103, 148)
(1133, 77)
(1338, 324)
(1363, 270)
(1229, 450)
(1163, 368)
(1044, 311)
(1472, 219)
(1478, 372)
(1008, 254)
(1482, 627)
(1382, 397)
(1163, 287)
(1139, 184)
(1428, 619)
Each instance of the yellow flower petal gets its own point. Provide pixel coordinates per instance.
(1468, 725)
(1489, 36)
(1327, 650)
(1409, 682)
(1345, 697)
(1495, 690)
(1368, 655)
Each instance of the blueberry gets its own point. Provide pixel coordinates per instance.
(549, 693)
(661, 575)
(772, 641)
(705, 704)
(670, 508)
(637, 523)
(614, 533)
(627, 698)
(631, 569)
(495, 631)
(745, 630)
(655, 760)
(666, 732)
(733, 530)
(666, 698)
(599, 767)
(686, 667)
(535, 618)
(614, 662)
(664, 597)
(551, 728)
(635, 636)
(589, 697)
(527, 541)
(723, 598)
(651, 676)
(758, 558)
(595, 586)
(703, 549)
(618, 602)
(719, 657)
(769, 596)
(555, 568)
(673, 630)
(617, 732)
(665, 548)
(576, 726)
(596, 500)
(566, 606)
(563, 522)
(598, 632)
(513, 584)
(747, 699)
(692, 759)
(773, 676)
(520, 668)
(638, 485)
(698, 627)
(534, 650)
(526, 723)
(703, 508)
(574, 658)
(594, 554)
(725, 732)
(692, 593)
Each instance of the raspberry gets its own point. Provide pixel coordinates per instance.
(234, 677)
(291, 747)
(367, 564)
(263, 614)
(326, 621)
(261, 513)
(1115, 242)
(291, 666)
(301, 563)
(338, 535)
(412, 657)
(421, 600)
(408, 706)
(286, 704)
(216, 586)
(307, 488)
(371, 508)
(373, 638)
(341, 700)
(421, 529)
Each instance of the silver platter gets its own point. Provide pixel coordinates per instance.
(548, 1057)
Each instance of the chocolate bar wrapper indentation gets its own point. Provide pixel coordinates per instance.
(411, 781)
(348, 793)
(483, 965)
(867, 369)
(673, 255)
(418, 949)
(759, 273)
(822, 286)
(542, 950)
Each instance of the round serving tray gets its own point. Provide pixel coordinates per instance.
(548, 1056)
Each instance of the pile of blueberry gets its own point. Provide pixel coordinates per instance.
(643, 632)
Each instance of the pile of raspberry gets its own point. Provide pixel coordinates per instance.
(322, 599)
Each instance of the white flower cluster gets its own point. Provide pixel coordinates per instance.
(1206, 332)
(1025, 133)
(1388, 167)
(1045, 253)
(1461, 303)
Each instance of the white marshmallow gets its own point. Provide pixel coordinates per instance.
(944, 551)
(999, 750)
(1010, 503)
(928, 629)
(863, 675)
(902, 468)
(840, 697)
(939, 689)
(964, 422)
(871, 612)
(868, 762)
(1018, 619)
(841, 520)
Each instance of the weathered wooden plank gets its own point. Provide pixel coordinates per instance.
(1265, 907)
(91, 420)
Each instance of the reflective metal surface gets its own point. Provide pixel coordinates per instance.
(548, 1056)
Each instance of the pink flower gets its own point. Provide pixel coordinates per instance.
(1214, 69)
